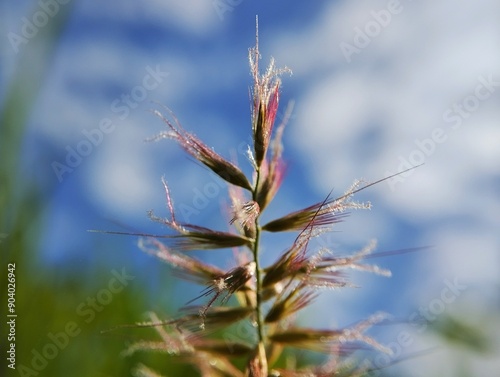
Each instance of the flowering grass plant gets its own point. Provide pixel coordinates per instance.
(267, 297)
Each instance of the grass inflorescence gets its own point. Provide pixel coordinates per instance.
(267, 297)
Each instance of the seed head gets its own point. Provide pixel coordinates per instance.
(268, 297)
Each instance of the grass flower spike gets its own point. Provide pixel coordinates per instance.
(264, 299)
(265, 101)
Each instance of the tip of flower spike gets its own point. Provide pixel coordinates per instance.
(265, 101)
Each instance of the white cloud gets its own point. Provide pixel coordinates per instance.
(469, 252)
(193, 16)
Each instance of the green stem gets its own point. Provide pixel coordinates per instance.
(260, 320)
(258, 271)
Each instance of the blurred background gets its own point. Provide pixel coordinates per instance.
(378, 86)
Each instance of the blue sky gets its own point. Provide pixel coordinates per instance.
(377, 86)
